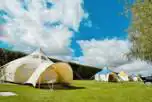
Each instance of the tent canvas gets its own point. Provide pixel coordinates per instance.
(123, 76)
(31, 68)
(105, 75)
(135, 77)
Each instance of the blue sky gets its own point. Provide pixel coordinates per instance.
(71, 30)
(106, 22)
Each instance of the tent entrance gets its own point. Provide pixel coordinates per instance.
(24, 72)
(112, 78)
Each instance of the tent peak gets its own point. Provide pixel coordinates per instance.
(39, 54)
(39, 51)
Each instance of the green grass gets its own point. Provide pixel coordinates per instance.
(92, 92)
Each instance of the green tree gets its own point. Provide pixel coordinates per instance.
(140, 31)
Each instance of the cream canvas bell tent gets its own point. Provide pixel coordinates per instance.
(106, 75)
(135, 78)
(36, 68)
(123, 76)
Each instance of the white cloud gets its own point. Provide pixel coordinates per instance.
(63, 58)
(26, 27)
(104, 52)
(136, 66)
(88, 24)
(26, 31)
(111, 53)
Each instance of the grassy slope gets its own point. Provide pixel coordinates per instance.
(92, 92)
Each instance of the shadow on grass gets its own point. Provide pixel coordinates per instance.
(56, 86)
(60, 87)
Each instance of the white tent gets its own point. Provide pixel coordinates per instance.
(135, 78)
(105, 75)
(36, 68)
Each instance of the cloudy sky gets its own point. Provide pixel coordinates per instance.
(72, 30)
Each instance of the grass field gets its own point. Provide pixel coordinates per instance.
(86, 91)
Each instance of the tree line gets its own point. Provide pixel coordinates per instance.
(7, 56)
(79, 71)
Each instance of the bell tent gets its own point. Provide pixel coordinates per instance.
(135, 78)
(36, 68)
(123, 76)
(106, 75)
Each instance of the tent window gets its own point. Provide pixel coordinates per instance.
(44, 58)
(35, 56)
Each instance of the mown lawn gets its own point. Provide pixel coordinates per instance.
(87, 91)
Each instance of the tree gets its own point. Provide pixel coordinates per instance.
(7, 56)
(140, 31)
